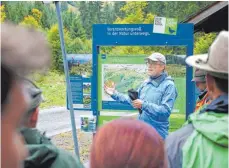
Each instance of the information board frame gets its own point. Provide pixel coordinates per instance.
(141, 35)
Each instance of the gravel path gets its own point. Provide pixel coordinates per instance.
(57, 124)
(57, 120)
(65, 141)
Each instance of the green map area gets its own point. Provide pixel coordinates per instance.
(125, 77)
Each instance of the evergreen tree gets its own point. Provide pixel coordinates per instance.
(64, 6)
(117, 7)
(68, 17)
(108, 13)
(85, 17)
(77, 30)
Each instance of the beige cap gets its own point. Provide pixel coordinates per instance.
(157, 57)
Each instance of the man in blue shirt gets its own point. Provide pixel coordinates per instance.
(156, 95)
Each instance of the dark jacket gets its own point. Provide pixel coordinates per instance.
(203, 141)
(43, 154)
(202, 100)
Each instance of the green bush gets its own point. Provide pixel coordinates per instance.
(53, 86)
(203, 42)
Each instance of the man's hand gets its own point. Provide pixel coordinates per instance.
(110, 90)
(137, 103)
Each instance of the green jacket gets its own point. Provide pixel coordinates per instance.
(207, 146)
(203, 141)
(43, 154)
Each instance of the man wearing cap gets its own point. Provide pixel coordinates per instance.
(156, 95)
(200, 82)
(42, 152)
(203, 141)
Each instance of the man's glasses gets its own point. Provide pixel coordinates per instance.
(150, 62)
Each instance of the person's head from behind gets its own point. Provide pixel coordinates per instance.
(156, 63)
(215, 63)
(127, 143)
(31, 116)
(22, 51)
(200, 79)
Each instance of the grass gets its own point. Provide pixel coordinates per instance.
(176, 121)
(180, 102)
(54, 89)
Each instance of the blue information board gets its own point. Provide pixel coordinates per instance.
(140, 35)
(80, 70)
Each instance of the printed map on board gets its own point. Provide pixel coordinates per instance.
(125, 76)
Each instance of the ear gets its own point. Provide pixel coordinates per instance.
(210, 83)
(163, 67)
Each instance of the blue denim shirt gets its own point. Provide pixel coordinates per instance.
(158, 96)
